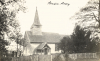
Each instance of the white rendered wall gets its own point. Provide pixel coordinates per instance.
(52, 46)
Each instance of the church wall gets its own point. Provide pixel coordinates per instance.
(52, 46)
(27, 49)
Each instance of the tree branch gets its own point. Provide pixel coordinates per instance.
(95, 17)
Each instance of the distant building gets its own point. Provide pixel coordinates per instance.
(38, 42)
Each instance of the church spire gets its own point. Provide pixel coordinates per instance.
(36, 26)
(36, 19)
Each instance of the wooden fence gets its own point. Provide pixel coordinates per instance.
(33, 58)
(59, 57)
(83, 57)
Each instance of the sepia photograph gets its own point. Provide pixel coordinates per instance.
(49, 30)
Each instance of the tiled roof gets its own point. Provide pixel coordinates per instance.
(45, 37)
(42, 45)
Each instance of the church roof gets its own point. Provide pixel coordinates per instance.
(36, 19)
(45, 37)
(42, 45)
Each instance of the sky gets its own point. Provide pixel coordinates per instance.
(54, 18)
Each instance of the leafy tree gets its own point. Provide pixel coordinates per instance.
(89, 20)
(79, 42)
(8, 23)
(3, 50)
(83, 42)
(66, 45)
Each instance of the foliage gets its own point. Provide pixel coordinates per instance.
(8, 20)
(89, 20)
(79, 42)
(66, 44)
(60, 57)
(82, 41)
(9, 25)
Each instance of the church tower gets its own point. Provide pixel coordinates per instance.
(36, 26)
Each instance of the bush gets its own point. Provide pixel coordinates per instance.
(60, 57)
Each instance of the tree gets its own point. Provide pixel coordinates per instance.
(89, 10)
(82, 41)
(66, 45)
(79, 42)
(3, 50)
(8, 23)
(89, 20)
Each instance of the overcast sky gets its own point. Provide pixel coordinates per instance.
(54, 18)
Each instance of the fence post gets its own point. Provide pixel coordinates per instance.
(51, 57)
(85, 55)
(12, 59)
(31, 57)
(37, 58)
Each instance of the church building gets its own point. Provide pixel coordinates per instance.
(38, 42)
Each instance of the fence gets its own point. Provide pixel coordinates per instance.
(83, 57)
(33, 58)
(59, 57)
